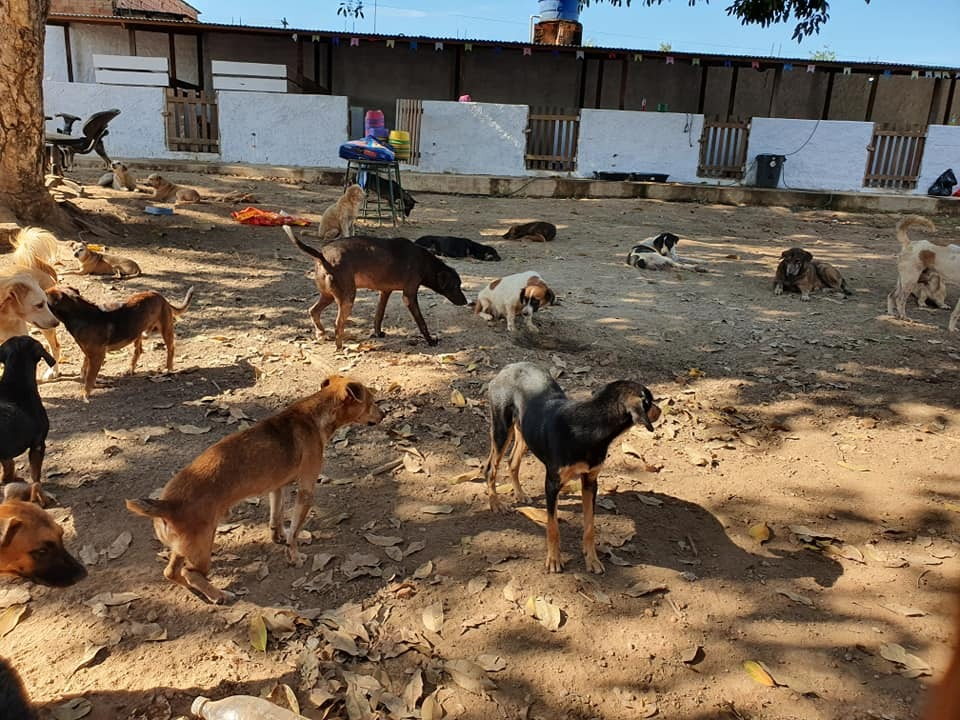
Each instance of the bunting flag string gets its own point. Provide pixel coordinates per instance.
(438, 46)
(391, 43)
(811, 68)
(611, 56)
(354, 42)
(888, 73)
(727, 63)
(468, 47)
(413, 45)
(527, 52)
(847, 71)
(579, 54)
(787, 67)
(637, 57)
(669, 59)
(915, 74)
(755, 64)
(695, 62)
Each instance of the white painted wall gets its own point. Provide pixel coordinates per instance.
(834, 158)
(942, 151)
(55, 54)
(473, 138)
(137, 132)
(650, 142)
(276, 129)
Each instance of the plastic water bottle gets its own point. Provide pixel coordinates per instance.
(240, 707)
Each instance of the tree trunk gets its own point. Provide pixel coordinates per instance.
(22, 188)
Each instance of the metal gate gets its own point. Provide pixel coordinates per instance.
(192, 122)
(893, 157)
(410, 119)
(552, 135)
(723, 149)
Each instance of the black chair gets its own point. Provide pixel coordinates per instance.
(63, 146)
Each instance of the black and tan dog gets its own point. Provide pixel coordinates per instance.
(284, 448)
(799, 272)
(570, 438)
(537, 231)
(93, 262)
(457, 247)
(23, 419)
(383, 264)
(31, 546)
(97, 329)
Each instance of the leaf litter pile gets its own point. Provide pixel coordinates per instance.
(782, 546)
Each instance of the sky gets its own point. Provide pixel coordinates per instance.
(922, 32)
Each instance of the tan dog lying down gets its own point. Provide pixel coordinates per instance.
(96, 263)
(166, 191)
(283, 449)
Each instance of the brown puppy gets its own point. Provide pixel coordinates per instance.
(119, 178)
(338, 219)
(384, 264)
(799, 272)
(98, 330)
(31, 546)
(166, 191)
(275, 452)
(537, 231)
(931, 290)
(96, 263)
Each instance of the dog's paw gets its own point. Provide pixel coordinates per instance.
(805, 297)
(295, 558)
(778, 290)
(495, 504)
(51, 373)
(378, 334)
(521, 497)
(224, 597)
(433, 341)
(554, 564)
(593, 564)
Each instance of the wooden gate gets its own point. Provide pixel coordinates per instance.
(723, 149)
(893, 157)
(410, 119)
(192, 123)
(552, 134)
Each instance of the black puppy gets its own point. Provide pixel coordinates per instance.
(387, 189)
(570, 438)
(23, 420)
(13, 698)
(457, 247)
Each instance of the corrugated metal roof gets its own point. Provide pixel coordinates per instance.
(592, 51)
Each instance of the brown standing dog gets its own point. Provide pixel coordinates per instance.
(945, 703)
(166, 191)
(31, 546)
(96, 263)
(98, 330)
(384, 264)
(800, 272)
(284, 448)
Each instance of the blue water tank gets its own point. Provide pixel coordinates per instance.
(559, 10)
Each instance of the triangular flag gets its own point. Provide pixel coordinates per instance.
(391, 43)
(787, 67)
(611, 56)
(847, 71)
(438, 46)
(695, 61)
(497, 50)
(579, 54)
(527, 51)
(755, 64)
(354, 42)
(915, 74)
(413, 45)
(888, 73)
(336, 42)
(928, 73)
(315, 38)
(468, 47)
(637, 57)
(556, 53)
(727, 63)
(669, 59)
(811, 68)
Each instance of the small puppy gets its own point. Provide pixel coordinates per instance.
(96, 263)
(537, 231)
(569, 437)
(166, 191)
(285, 448)
(119, 178)
(382, 264)
(799, 272)
(386, 187)
(98, 330)
(338, 219)
(931, 290)
(31, 546)
(457, 247)
(659, 253)
(23, 419)
(915, 258)
(520, 294)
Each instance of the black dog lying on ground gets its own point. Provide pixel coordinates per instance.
(457, 247)
(387, 189)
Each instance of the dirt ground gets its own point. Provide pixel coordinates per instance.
(827, 414)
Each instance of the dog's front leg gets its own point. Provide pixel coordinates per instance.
(381, 311)
(952, 324)
(588, 492)
(308, 482)
(410, 300)
(552, 484)
(778, 288)
(36, 465)
(9, 470)
(276, 515)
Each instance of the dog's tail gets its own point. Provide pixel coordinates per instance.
(912, 221)
(149, 507)
(182, 307)
(307, 250)
(37, 249)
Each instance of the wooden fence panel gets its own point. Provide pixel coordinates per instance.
(192, 121)
(410, 119)
(894, 156)
(723, 149)
(552, 135)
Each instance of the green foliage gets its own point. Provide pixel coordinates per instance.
(824, 54)
(665, 47)
(808, 14)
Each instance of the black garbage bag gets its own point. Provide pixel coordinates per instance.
(943, 186)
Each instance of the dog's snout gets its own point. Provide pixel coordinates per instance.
(653, 414)
(376, 415)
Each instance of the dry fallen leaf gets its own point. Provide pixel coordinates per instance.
(457, 399)
(538, 515)
(902, 610)
(759, 673)
(477, 585)
(431, 709)
(913, 666)
(491, 663)
(546, 612)
(424, 571)
(14, 595)
(193, 429)
(73, 709)
(644, 588)
(119, 546)
(797, 598)
(382, 540)
(258, 633)
(761, 532)
(92, 655)
(469, 676)
(411, 464)
(475, 622)
(89, 555)
(394, 553)
(433, 617)
(112, 599)
(437, 509)
(10, 617)
(414, 690)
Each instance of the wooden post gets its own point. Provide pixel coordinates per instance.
(173, 58)
(69, 51)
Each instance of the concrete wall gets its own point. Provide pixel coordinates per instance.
(653, 142)
(510, 77)
(473, 138)
(55, 54)
(942, 151)
(278, 129)
(834, 158)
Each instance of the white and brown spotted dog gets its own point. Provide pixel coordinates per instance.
(660, 253)
(918, 260)
(519, 294)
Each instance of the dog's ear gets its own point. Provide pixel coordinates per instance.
(641, 411)
(551, 297)
(523, 294)
(807, 256)
(326, 381)
(8, 529)
(356, 391)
